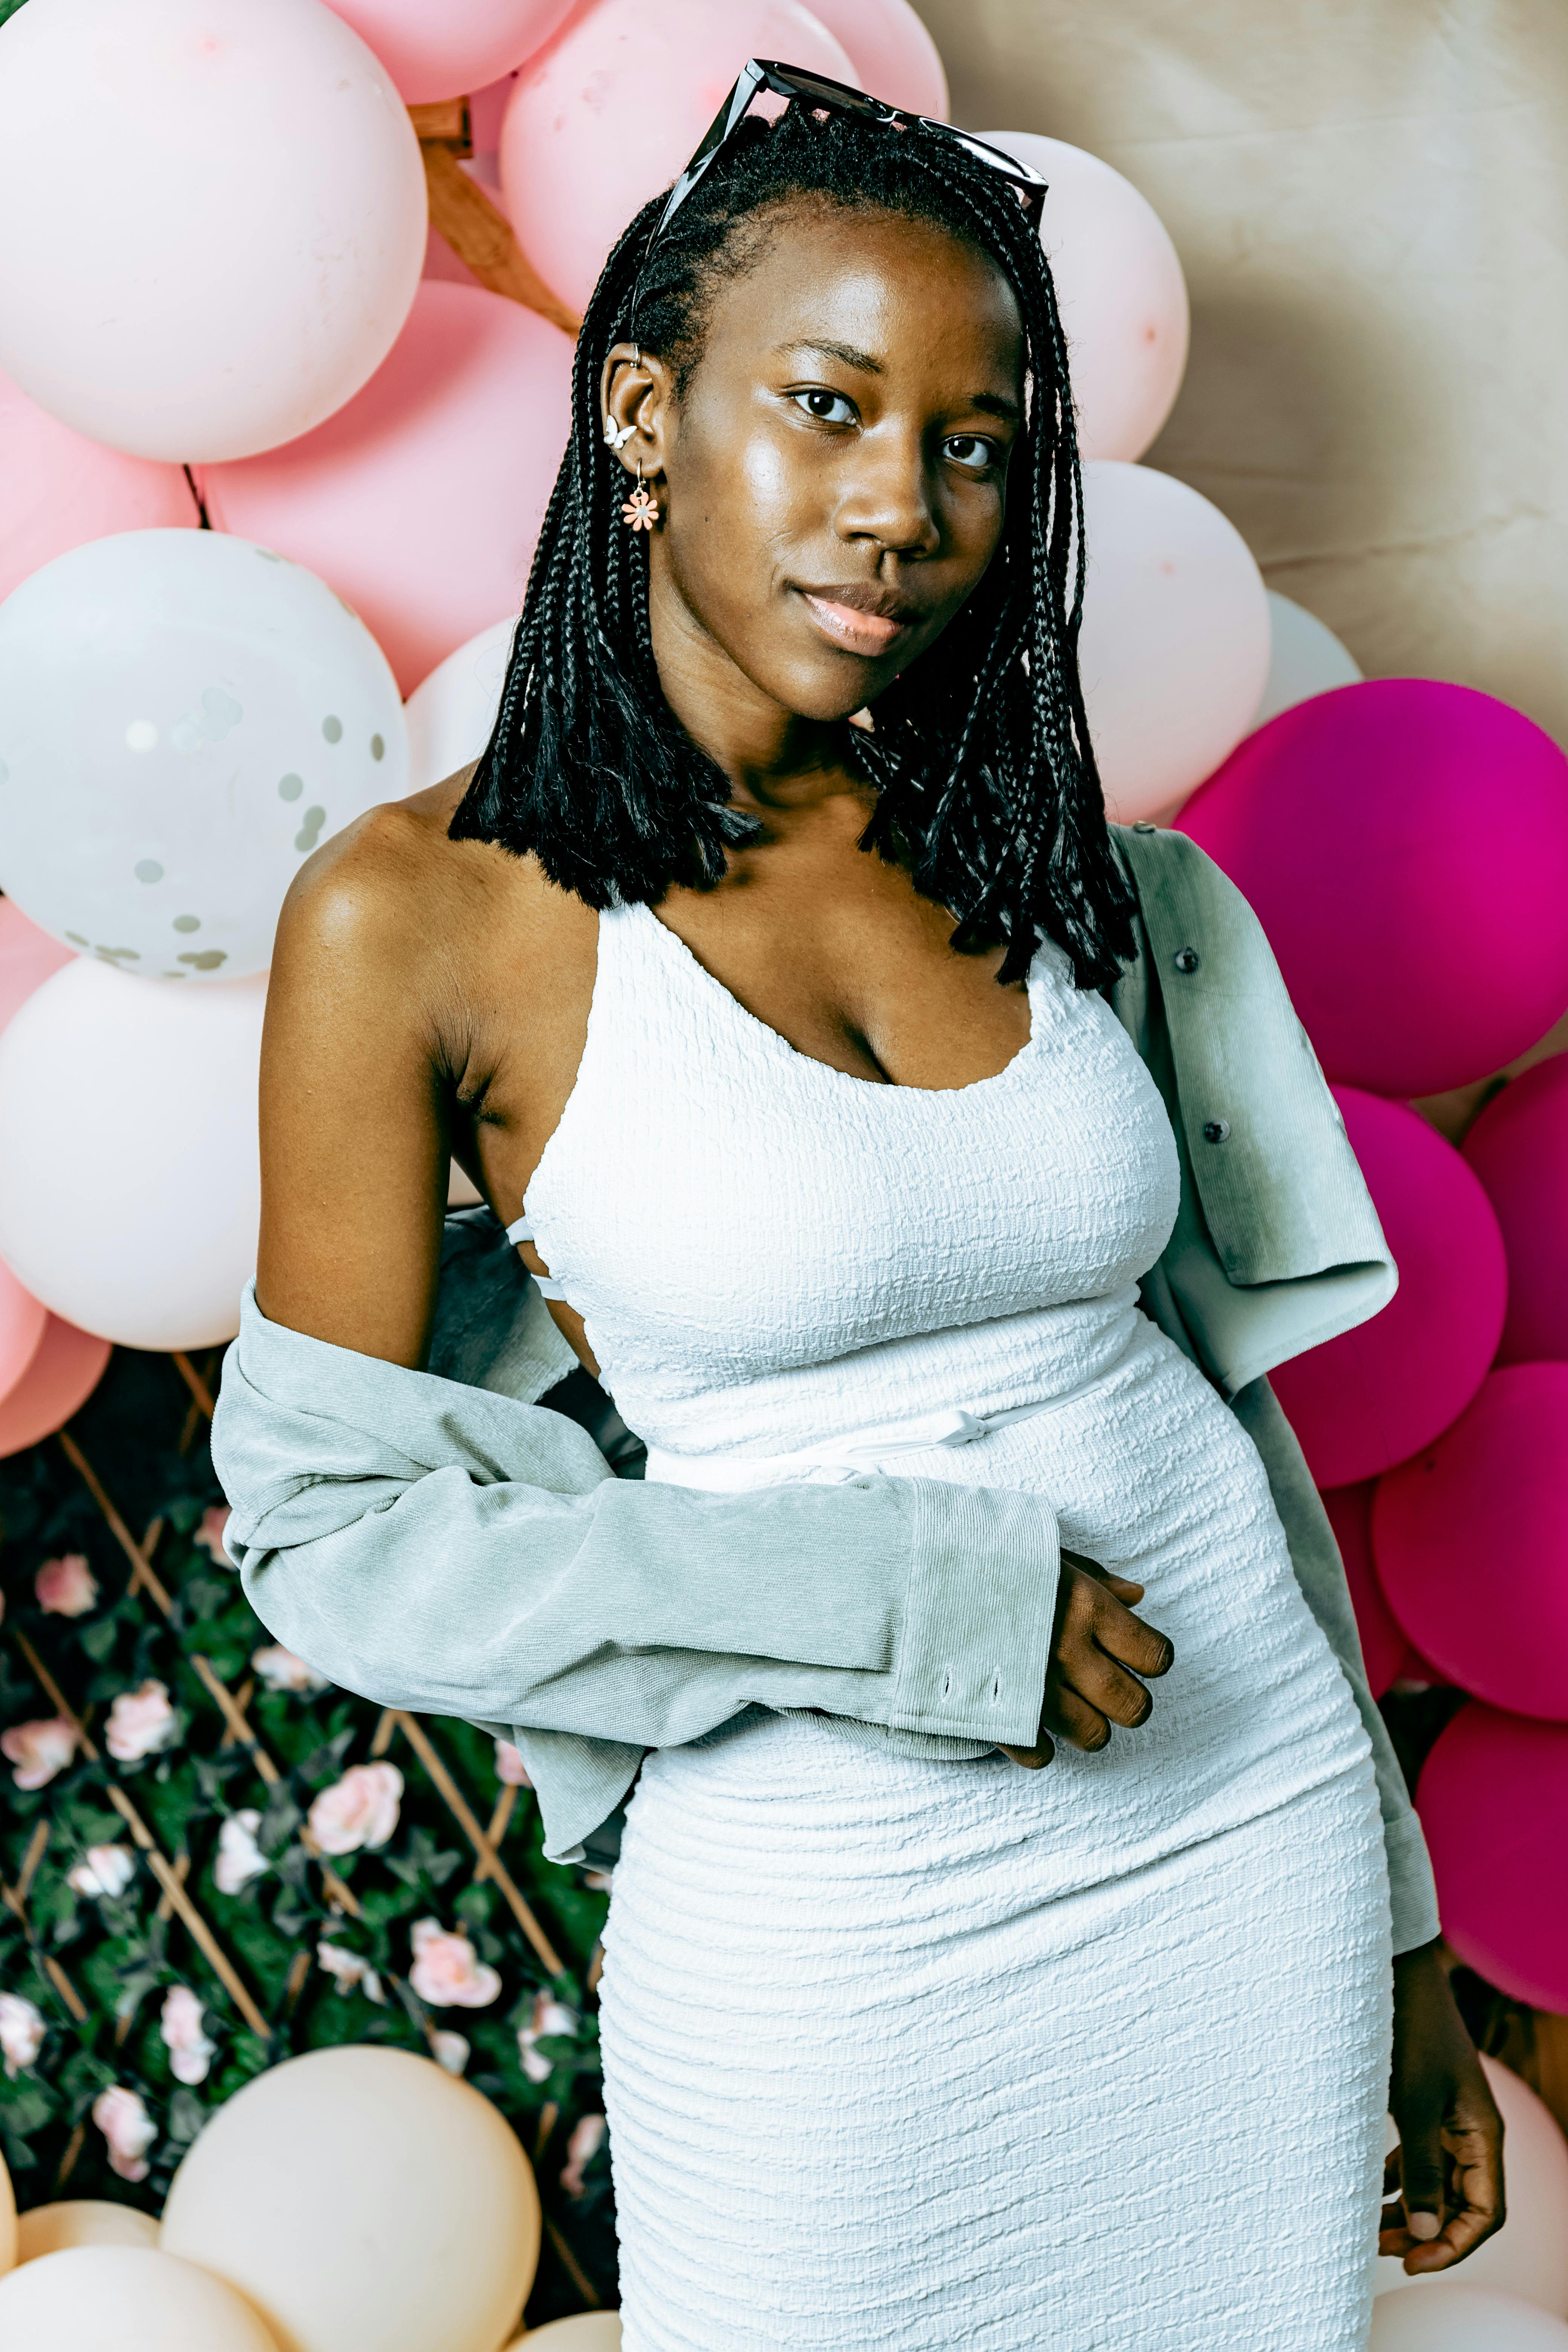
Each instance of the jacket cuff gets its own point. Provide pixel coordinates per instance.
(976, 1638)
(1411, 1891)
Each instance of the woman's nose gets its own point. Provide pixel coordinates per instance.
(888, 495)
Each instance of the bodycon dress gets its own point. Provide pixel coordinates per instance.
(906, 2047)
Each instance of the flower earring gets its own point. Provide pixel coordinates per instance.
(639, 512)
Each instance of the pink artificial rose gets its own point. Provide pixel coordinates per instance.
(39, 1750)
(65, 1587)
(448, 1972)
(550, 2017)
(239, 1858)
(509, 1766)
(451, 2052)
(359, 1810)
(209, 1535)
(139, 1723)
(21, 2032)
(190, 2052)
(129, 2129)
(348, 1969)
(104, 1870)
(587, 2134)
(280, 1670)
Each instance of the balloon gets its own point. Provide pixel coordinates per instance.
(1305, 659)
(57, 490)
(1529, 2256)
(130, 1184)
(1406, 846)
(364, 2201)
(136, 2298)
(611, 111)
(588, 2331)
(1383, 1641)
(67, 1367)
(1463, 2319)
(446, 51)
(450, 714)
(22, 1320)
(1471, 1544)
(234, 225)
(1175, 649)
(27, 957)
(1493, 1796)
(890, 52)
(1379, 1393)
(1519, 1149)
(1120, 291)
(182, 717)
(421, 502)
(81, 2222)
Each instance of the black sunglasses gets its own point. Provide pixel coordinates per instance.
(837, 97)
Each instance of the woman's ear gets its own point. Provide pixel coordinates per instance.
(636, 398)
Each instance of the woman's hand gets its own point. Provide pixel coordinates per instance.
(1097, 1652)
(1448, 2163)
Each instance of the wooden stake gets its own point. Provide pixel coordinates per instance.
(414, 1732)
(482, 237)
(192, 1379)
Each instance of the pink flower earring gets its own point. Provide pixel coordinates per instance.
(639, 512)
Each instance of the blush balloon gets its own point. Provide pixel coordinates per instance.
(893, 55)
(58, 489)
(1379, 1393)
(1471, 1544)
(1383, 1642)
(27, 957)
(452, 713)
(1493, 1797)
(606, 116)
(1305, 659)
(1463, 2319)
(134, 2297)
(1519, 1149)
(22, 1320)
(458, 46)
(421, 501)
(81, 2222)
(1404, 845)
(66, 1368)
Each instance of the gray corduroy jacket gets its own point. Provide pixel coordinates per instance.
(438, 1541)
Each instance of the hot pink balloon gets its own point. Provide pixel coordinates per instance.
(1471, 1544)
(22, 1320)
(1406, 846)
(1382, 1644)
(420, 502)
(1379, 1393)
(58, 489)
(445, 48)
(66, 1367)
(893, 55)
(1493, 1798)
(611, 111)
(1519, 1149)
(27, 957)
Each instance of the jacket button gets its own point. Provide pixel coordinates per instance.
(1216, 1130)
(1186, 959)
(1143, 825)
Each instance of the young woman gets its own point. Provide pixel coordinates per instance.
(836, 1062)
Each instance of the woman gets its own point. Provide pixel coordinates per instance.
(839, 1165)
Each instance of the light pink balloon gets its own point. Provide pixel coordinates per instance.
(1120, 290)
(611, 111)
(420, 502)
(27, 957)
(1493, 1797)
(58, 489)
(1519, 1149)
(1378, 1394)
(233, 224)
(893, 55)
(445, 48)
(65, 1367)
(1382, 1644)
(22, 1321)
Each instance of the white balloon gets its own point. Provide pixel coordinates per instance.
(134, 2298)
(588, 2331)
(130, 1182)
(1174, 647)
(1463, 2319)
(452, 712)
(1529, 2255)
(81, 2222)
(184, 718)
(1121, 293)
(1305, 659)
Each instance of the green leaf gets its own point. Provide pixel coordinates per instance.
(99, 1639)
(281, 1818)
(186, 2117)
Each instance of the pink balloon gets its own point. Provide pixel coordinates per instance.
(1406, 846)
(893, 55)
(1383, 1642)
(1493, 1798)
(611, 111)
(66, 1367)
(444, 49)
(22, 1320)
(1471, 1544)
(420, 502)
(27, 957)
(57, 490)
(1519, 1149)
(1379, 1393)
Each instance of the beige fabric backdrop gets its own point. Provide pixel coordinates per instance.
(1370, 198)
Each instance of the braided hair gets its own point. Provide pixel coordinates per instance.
(980, 752)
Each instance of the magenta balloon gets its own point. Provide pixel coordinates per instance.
(1404, 845)
(1493, 1798)
(1519, 1149)
(66, 1368)
(893, 55)
(1383, 1647)
(446, 48)
(1471, 1544)
(58, 489)
(1379, 1393)
(421, 501)
(27, 957)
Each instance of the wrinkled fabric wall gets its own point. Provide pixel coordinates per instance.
(1370, 198)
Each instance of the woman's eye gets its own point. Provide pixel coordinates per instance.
(828, 407)
(972, 451)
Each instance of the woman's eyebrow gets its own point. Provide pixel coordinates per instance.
(845, 352)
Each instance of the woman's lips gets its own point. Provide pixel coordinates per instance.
(871, 634)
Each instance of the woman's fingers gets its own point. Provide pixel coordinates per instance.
(1452, 2194)
(1099, 1651)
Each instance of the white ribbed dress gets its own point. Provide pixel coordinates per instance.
(916, 2050)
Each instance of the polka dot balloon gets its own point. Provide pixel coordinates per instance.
(184, 718)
